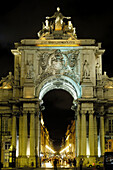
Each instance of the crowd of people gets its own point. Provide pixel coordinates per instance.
(59, 162)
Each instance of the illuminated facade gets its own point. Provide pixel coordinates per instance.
(57, 60)
(47, 149)
(109, 145)
(68, 150)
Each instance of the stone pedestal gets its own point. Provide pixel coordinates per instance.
(29, 89)
(87, 88)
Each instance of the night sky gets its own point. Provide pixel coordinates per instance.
(22, 19)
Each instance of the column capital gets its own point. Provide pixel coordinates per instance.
(15, 114)
(83, 112)
(101, 114)
(25, 111)
(91, 112)
(32, 112)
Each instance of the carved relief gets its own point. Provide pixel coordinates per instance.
(58, 63)
(44, 60)
(55, 62)
(72, 60)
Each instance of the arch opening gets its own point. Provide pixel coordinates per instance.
(58, 94)
(57, 115)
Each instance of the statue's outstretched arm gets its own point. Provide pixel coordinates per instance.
(50, 17)
(66, 17)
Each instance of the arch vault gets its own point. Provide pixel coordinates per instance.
(61, 82)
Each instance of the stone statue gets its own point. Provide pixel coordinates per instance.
(98, 71)
(86, 71)
(29, 69)
(58, 19)
(57, 27)
(17, 71)
(7, 81)
(58, 15)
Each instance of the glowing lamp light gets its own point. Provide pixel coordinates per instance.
(64, 149)
(50, 149)
(42, 122)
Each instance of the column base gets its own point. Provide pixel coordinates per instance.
(32, 161)
(22, 161)
(84, 158)
(38, 162)
(92, 159)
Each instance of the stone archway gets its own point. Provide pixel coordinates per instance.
(58, 82)
(57, 60)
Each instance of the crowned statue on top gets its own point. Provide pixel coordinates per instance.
(58, 19)
(56, 25)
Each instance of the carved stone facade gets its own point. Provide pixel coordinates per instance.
(57, 60)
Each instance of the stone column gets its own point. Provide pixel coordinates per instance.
(14, 131)
(83, 133)
(102, 139)
(95, 137)
(32, 140)
(24, 139)
(91, 133)
(36, 137)
(39, 137)
(20, 139)
(20, 134)
(78, 148)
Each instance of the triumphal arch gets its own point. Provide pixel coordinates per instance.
(56, 60)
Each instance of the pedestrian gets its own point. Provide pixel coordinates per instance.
(74, 163)
(55, 164)
(70, 162)
(81, 163)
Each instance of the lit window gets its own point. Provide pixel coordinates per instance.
(7, 145)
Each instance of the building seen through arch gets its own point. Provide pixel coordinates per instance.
(55, 60)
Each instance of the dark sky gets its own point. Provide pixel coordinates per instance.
(23, 19)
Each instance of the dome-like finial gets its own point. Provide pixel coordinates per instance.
(58, 9)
